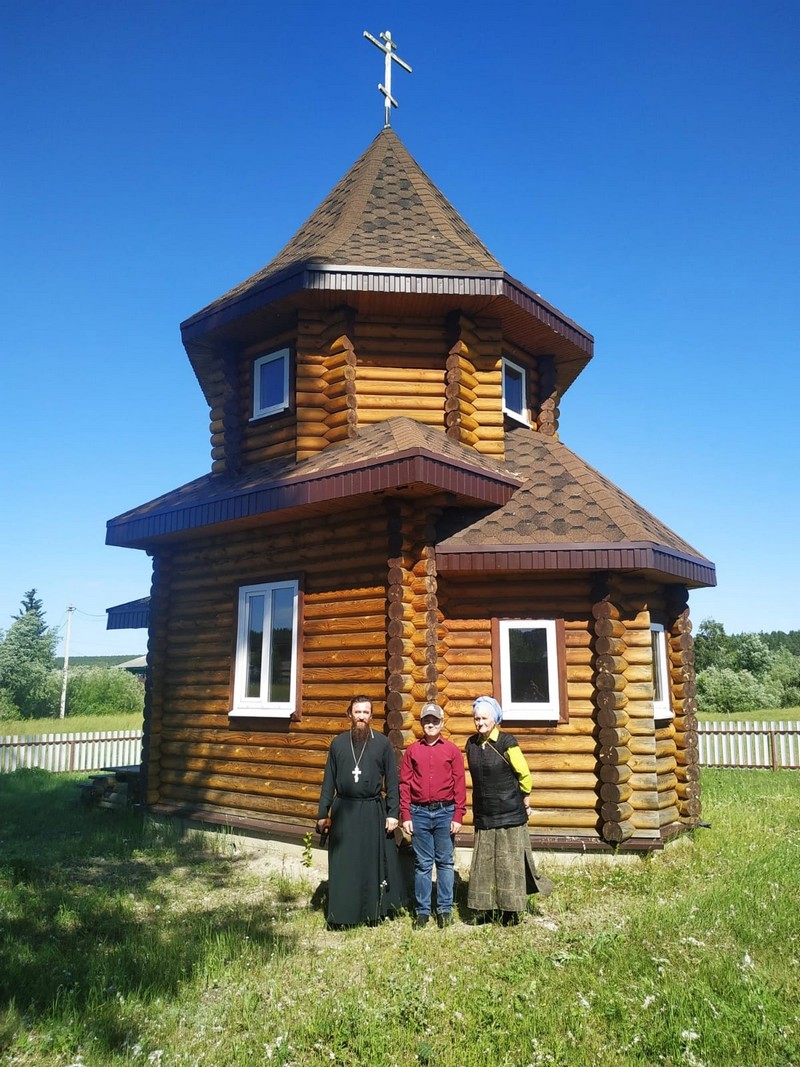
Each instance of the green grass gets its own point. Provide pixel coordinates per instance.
(122, 943)
(762, 715)
(70, 724)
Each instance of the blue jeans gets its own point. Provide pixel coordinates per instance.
(432, 843)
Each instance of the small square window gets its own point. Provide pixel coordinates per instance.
(271, 383)
(515, 398)
(662, 705)
(266, 649)
(529, 681)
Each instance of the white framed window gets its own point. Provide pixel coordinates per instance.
(662, 705)
(529, 680)
(515, 398)
(271, 383)
(265, 674)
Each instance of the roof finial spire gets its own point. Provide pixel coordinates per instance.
(388, 50)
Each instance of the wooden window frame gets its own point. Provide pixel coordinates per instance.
(523, 415)
(259, 707)
(556, 710)
(284, 354)
(662, 708)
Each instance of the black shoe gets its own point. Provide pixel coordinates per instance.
(443, 919)
(510, 918)
(420, 921)
(481, 918)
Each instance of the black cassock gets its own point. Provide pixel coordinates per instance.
(364, 882)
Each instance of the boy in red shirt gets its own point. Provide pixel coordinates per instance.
(433, 800)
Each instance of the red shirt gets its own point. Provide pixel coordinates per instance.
(432, 772)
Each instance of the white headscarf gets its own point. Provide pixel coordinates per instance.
(489, 704)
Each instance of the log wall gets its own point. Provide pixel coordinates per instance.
(378, 619)
(683, 692)
(562, 758)
(659, 757)
(612, 771)
(350, 373)
(197, 755)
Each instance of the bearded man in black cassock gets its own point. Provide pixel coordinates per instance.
(361, 795)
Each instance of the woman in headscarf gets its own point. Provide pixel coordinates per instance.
(502, 862)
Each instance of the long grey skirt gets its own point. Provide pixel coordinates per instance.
(497, 877)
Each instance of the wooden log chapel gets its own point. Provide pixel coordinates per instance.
(390, 511)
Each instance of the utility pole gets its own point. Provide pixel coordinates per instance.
(66, 664)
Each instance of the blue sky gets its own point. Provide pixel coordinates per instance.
(635, 163)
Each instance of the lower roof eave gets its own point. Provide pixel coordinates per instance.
(411, 471)
(134, 615)
(667, 563)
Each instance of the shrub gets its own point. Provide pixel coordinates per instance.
(32, 690)
(749, 652)
(8, 709)
(785, 671)
(103, 691)
(722, 690)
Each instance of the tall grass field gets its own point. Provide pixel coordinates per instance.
(123, 943)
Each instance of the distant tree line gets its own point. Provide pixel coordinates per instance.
(31, 682)
(744, 672)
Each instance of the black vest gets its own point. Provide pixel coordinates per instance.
(496, 796)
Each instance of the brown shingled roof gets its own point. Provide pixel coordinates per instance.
(562, 499)
(384, 241)
(565, 508)
(385, 212)
(542, 509)
(389, 456)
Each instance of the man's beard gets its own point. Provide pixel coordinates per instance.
(360, 731)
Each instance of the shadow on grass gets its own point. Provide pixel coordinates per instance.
(86, 915)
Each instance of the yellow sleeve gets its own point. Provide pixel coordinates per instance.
(517, 761)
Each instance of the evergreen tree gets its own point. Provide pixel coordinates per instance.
(27, 660)
(32, 605)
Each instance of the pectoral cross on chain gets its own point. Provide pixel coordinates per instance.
(356, 773)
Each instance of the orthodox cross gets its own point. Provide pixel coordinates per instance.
(388, 50)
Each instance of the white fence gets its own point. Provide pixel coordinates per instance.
(773, 745)
(721, 744)
(72, 752)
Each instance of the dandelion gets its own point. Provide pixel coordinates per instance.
(648, 1000)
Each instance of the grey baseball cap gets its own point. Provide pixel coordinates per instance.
(432, 709)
